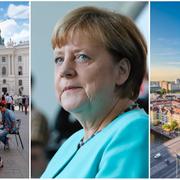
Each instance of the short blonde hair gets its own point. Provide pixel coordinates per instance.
(117, 33)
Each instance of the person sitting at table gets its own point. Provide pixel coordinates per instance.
(8, 119)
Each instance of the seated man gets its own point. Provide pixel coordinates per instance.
(8, 119)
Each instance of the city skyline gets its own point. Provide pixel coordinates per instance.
(173, 80)
(14, 21)
(165, 41)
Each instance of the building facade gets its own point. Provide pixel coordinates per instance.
(173, 87)
(14, 68)
(164, 85)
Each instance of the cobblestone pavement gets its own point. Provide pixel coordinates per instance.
(16, 159)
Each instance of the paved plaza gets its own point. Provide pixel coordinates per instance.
(16, 159)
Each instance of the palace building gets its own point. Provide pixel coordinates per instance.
(14, 67)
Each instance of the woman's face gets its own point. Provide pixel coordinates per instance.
(85, 75)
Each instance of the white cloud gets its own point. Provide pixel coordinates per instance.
(21, 36)
(173, 63)
(161, 39)
(10, 29)
(18, 12)
(171, 41)
(175, 53)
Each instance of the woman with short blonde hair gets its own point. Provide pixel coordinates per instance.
(100, 62)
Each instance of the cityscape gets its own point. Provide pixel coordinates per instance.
(165, 91)
(165, 107)
(165, 128)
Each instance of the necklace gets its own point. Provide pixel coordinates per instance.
(82, 142)
(132, 106)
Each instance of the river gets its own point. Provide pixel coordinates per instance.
(157, 139)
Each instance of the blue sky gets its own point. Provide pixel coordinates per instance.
(165, 40)
(14, 21)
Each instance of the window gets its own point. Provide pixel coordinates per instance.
(4, 90)
(20, 71)
(4, 81)
(3, 59)
(3, 71)
(19, 58)
(20, 82)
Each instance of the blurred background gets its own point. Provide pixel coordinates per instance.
(51, 125)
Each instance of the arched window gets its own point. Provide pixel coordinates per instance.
(3, 71)
(20, 70)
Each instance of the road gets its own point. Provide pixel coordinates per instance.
(165, 166)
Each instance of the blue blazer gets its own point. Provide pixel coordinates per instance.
(120, 150)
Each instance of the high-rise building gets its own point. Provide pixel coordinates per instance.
(173, 87)
(164, 85)
(177, 81)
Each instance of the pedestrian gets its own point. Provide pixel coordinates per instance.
(8, 101)
(23, 102)
(3, 100)
(20, 103)
(26, 104)
(12, 104)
